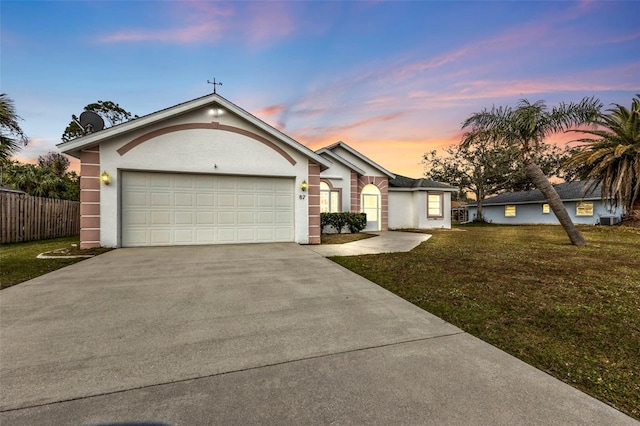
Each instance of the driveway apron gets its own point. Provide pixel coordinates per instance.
(252, 334)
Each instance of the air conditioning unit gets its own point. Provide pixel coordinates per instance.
(609, 220)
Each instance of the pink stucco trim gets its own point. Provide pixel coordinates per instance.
(313, 197)
(90, 198)
(212, 126)
(355, 193)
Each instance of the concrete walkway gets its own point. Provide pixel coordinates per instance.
(268, 334)
(384, 242)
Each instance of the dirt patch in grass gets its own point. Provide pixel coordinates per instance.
(344, 238)
(19, 261)
(573, 312)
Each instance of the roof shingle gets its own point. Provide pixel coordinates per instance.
(407, 182)
(566, 191)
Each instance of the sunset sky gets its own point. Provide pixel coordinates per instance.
(392, 79)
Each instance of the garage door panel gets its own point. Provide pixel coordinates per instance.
(205, 236)
(136, 237)
(283, 234)
(227, 184)
(205, 183)
(205, 200)
(266, 201)
(227, 235)
(265, 218)
(226, 200)
(204, 218)
(246, 218)
(183, 236)
(184, 181)
(135, 198)
(283, 218)
(246, 235)
(160, 236)
(226, 218)
(160, 199)
(284, 201)
(160, 218)
(282, 186)
(246, 200)
(265, 234)
(168, 209)
(158, 180)
(184, 218)
(182, 199)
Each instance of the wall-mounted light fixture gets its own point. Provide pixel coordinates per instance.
(304, 185)
(105, 178)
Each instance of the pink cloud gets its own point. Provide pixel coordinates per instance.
(270, 110)
(199, 22)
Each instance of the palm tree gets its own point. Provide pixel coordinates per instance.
(11, 135)
(613, 159)
(526, 127)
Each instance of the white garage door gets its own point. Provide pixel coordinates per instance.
(182, 209)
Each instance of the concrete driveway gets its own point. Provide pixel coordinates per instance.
(253, 334)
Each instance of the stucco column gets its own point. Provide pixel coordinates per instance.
(313, 197)
(90, 198)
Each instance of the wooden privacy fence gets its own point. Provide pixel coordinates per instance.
(27, 218)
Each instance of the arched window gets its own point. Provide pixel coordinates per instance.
(329, 199)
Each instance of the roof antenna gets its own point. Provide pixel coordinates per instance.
(219, 83)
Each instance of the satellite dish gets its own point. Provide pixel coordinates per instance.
(91, 122)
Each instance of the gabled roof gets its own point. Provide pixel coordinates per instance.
(74, 146)
(568, 191)
(410, 183)
(339, 159)
(360, 156)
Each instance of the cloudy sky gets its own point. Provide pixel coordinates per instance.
(393, 79)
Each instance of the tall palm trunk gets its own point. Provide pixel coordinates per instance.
(542, 183)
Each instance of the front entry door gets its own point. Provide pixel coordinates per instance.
(371, 206)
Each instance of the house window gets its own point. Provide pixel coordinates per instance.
(329, 199)
(509, 211)
(584, 208)
(435, 204)
(545, 208)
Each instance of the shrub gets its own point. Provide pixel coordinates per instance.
(355, 222)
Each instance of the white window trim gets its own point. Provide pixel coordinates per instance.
(440, 214)
(329, 193)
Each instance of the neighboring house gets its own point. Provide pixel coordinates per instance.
(208, 172)
(530, 207)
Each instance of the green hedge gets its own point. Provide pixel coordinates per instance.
(355, 222)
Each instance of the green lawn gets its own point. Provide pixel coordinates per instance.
(18, 261)
(573, 312)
